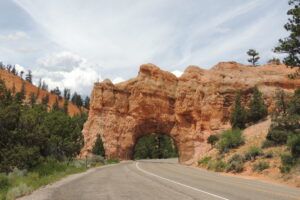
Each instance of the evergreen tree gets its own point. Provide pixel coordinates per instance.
(28, 135)
(65, 107)
(44, 86)
(55, 106)
(40, 83)
(77, 100)
(238, 115)
(98, 148)
(29, 76)
(67, 94)
(253, 56)
(258, 110)
(32, 99)
(20, 96)
(56, 91)
(87, 103)
(155, 146)
(291, 44)
(45, 100)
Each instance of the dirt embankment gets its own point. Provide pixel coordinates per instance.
(255, 135)
(12, 81)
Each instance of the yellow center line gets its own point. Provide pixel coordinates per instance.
(233, 184)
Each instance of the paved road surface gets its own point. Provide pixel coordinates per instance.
(162, 180)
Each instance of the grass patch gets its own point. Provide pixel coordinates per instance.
(260, 166)
(112, 161)
(204, 161)
(217, 166)
(22, 182)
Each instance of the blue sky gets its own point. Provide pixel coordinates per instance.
(73, 43)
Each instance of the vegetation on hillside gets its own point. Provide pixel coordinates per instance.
(155, 146)
(76, 98)
(290, 45)
(285, 127)
(30, 134)
(36, 147)
(282, 137)
(257, 110)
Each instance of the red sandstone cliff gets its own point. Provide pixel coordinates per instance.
(188, 108)
(11, 81)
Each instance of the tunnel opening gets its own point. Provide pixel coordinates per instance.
(155, 146)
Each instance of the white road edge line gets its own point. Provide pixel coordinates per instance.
(181, 184)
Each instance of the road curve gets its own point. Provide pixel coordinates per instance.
(161, 180)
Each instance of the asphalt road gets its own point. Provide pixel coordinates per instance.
(162, 180)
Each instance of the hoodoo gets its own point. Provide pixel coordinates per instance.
(188, 108)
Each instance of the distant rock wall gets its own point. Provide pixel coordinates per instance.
(188, 108)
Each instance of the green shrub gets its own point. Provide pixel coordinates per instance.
(287, 163)
(18, 191)
(260, 166)
(288, 160)
(268, 154)
(278, 136)
(285, 169)
(204, 161)
(4, 182)
(253, 152)
(212, 139)
(18, 173)
(294, 145)
(50, 166)
(235, 163)
(112, 161)
(268, 143)
(218, 166)
(230, 139)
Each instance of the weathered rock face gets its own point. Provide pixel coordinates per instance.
(188, 109)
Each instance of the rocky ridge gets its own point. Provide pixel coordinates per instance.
(188, 108)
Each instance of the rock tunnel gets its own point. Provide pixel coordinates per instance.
(188, 108)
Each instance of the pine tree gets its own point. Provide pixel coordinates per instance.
(29, 76)
(55, 106)
(291, 44)
(87, 103)
(56, 91)
(32, 99)
(253, 56)
(238, 114)
(45, 100)
(98, 148)
(67, 94)
(258, 110)
(65, 107)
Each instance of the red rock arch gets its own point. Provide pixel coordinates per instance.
(188, 109)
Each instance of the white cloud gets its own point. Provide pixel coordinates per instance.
(118, 80)
(120, 35)
(19, 68)
(17, 36)
(79, 79)
(177, 73)
(62, 61)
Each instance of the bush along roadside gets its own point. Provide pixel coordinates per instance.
(18, 183)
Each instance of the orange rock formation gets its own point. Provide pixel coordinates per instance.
(11, 81)
(188, 108)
